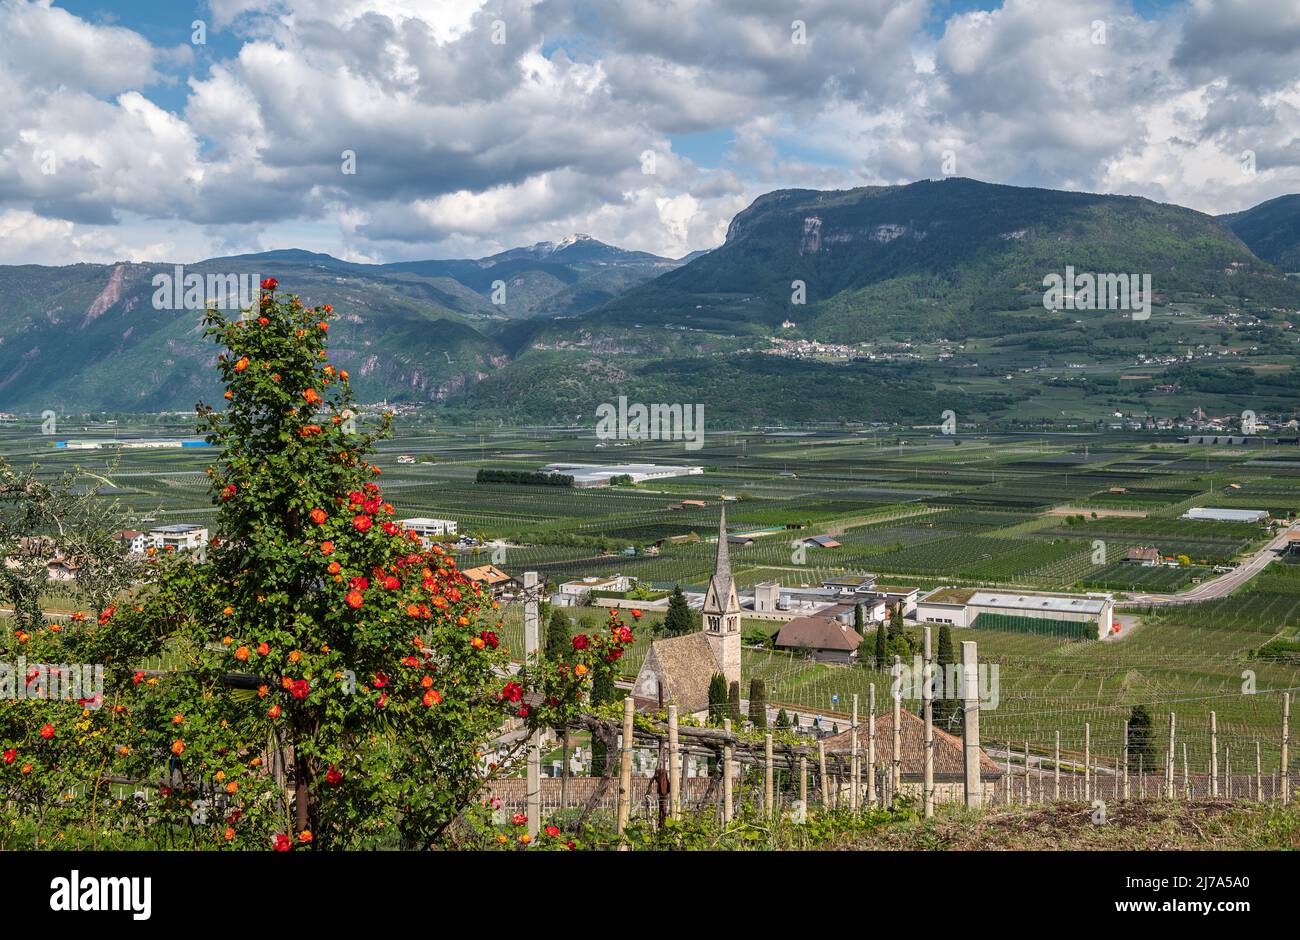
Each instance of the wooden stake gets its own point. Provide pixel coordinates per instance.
(674, 766)
(1169, 762)
(871, 744)
(803, 783)
(1056, 791)
(532, 651)
(1214, 756)
(1087, 761)
(1027, 800)
(1006, 796)
(728, 771)
(768, 805)
(853, 756)
(1259, 773)
(625, 771)
(927, 710)
(896, 772)
(1286, 748)
(1126, 781)
(973, 786)
(1187, 778)
(821, 774)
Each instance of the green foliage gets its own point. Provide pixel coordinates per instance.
(522, 477)
(718, 707)
(680, 619)
(758, 703)
(1141, 743)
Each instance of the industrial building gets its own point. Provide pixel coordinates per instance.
(592, 474)
(1227, 515)
(429, 529)
(963, 607)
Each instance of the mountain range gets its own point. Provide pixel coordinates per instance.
(875, 303)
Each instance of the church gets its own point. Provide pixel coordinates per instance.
(681, 667)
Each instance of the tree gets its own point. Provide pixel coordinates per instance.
(680, 619)
(782, 719)
(882, 647)
(717, 698)
(758, 704)
(375, 669)
(896, 621)
(559, 644)
(733, 704)
(859, 621)
(1140, 741)
(948, 709)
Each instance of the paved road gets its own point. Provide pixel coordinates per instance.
(1224, 584)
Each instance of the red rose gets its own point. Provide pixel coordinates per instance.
(283, 843)
(318, 516)
(361, 523)
(552, 831)
(301, 688)
(359, 583)
(380, 680)
(137, 678)
(10, 756)
(333, 777)
(354, 599)
(356, 497)
(580, 642)
(47, 731)
(519, 819)
(391, 528)
(490, 639)
(513, 691)
(391, 583)
(270, 284)
(107, 615)
(228, 492)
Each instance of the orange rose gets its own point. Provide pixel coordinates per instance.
(178, 747)
(241, 654)
(242, 364)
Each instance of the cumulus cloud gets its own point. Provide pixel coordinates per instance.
(475, 127)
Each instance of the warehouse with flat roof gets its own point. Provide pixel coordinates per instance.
(1227, 515)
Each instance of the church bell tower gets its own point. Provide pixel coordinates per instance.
(722, 610)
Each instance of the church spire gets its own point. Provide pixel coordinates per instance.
(722, 568)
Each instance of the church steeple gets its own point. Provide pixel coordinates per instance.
(722, 609)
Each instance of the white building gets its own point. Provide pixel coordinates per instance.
(591, 474)
(135, 542)
(429, 529)
(962, 608)
(572, 593)
(1227, 515)
(182, 536)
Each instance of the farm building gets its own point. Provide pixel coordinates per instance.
(678, 669)
(1146, 556)
(492, 577)
(949, 760)
(572, 593)
(826, 639)
(821, 541)
(429, 529)
(1019, 612)
(852, 585)
(1227, 515)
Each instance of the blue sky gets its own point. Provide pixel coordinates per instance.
(644, 125)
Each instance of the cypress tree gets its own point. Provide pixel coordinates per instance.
(882, 646)
(1140, 742)
(559, 642)
(717, 698)
(758, 704)
(782, 719)
(948, 711)
(859, 622)
(896, 622)
(733, 704)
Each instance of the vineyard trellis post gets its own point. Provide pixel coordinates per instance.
(674, 766)
(871, 744)
(768, 808)
(971, 783)
(896, 771)
(853, 750)
(1259, 773)
(1169, 761)
(1087, 761)
(1006, 792)
(1056, 763)
(803, 783)
(625, 771)
(1187, 779)
(727, 772)
(532, 653)
(1027, 798)
(1214, 756)
(927, 707)
(1126, 782)
(1227, 771)
(1286, 748)
(821, 774)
